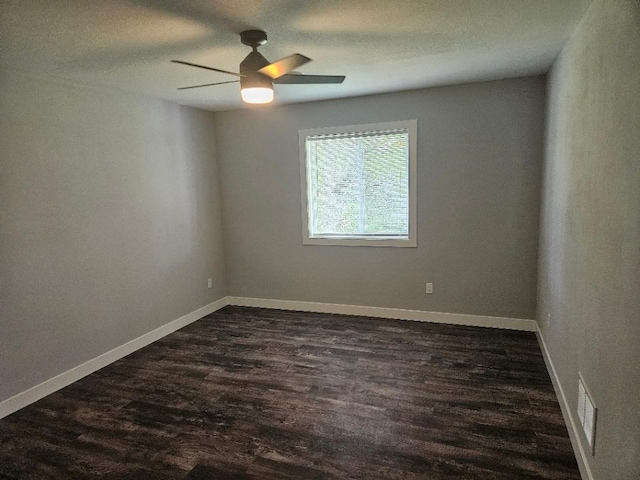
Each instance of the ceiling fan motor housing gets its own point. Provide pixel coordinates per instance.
(249, 69)
(252, 63)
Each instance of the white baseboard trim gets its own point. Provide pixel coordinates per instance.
(572, 428)
(54, 384)
(395, 313)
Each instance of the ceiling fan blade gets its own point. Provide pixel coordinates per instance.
(207, 68)
(296, 78)
(283, 66)
(208, 84)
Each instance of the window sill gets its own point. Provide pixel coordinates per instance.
(361, 242)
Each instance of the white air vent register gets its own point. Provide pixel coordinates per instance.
(587, 414)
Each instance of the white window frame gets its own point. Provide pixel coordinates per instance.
(411, 241)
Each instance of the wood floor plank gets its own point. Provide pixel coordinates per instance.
(249, 393)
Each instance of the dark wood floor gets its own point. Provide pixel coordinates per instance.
(250, 393)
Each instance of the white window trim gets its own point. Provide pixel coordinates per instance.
(411, 241)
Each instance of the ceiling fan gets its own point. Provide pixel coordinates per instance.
(257, 75)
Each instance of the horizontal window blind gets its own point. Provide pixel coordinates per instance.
(358, 184)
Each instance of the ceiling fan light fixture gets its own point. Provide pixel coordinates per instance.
(257, 95)
(255, 87)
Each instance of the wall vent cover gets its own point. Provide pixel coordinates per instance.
(587, 414)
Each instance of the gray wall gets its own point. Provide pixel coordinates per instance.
(109, 223)
(590, 233)
(479, 166)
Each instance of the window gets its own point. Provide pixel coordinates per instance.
(358, 185)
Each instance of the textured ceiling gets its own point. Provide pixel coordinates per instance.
(379, 45)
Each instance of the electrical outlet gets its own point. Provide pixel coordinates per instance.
(429, 288)
(209, 283)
